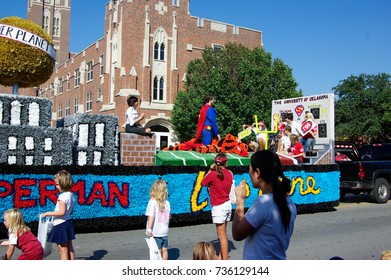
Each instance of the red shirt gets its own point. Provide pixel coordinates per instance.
(30, 246)
(298, 149)
(341, 157)
(218, 189)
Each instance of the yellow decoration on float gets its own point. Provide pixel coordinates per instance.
(195, 206)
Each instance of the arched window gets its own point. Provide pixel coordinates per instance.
(156, 51)
(160, 39)
(159, 66)
(56, 24)
(158, 89)
(46, 20)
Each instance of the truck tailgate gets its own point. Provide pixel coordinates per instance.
(348, 170)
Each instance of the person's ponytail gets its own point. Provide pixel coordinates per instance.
(220, 161)
(219, 170)
(281, 188)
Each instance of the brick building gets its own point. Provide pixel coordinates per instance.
(145, 50)
(54, 17)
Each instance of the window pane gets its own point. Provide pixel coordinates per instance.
(101, 65)
(89, 101)
(162, 47)
(161, 89)
(156, 51)
(60, 86)
(155, 84)
(89, 71)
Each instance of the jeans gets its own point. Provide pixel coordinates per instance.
(307, 143)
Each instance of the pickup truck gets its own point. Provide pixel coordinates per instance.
(367, 169)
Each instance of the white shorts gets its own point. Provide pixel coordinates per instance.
(222, 213)
(261, 136)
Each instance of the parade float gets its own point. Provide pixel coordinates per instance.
(113, 171)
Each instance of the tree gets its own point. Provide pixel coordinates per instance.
(244, 82)
(363, 106)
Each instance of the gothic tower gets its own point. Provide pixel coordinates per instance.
(54, 17)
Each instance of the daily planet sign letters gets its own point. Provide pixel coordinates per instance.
(321, 106)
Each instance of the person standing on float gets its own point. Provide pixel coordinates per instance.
(207, 128)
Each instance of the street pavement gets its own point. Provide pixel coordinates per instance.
(131, 245)
(354, 230)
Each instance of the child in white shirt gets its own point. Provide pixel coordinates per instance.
(158, 213)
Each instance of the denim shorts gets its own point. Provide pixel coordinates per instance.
(161, 241)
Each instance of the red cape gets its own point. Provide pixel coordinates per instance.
(201, 121)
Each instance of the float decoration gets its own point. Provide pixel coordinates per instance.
(247, 131)
(27, 55)
(228, 144)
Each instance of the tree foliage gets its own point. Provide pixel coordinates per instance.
(363, 106)
(244, 83)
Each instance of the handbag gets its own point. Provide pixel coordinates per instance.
(232, 195)
(45, 226)
(154, 252)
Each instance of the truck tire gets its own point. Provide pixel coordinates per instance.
(381, 191)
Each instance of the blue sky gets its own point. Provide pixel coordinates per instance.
(323, 41)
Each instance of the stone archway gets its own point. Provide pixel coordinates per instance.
(164, 132)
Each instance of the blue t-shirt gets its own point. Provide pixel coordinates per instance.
(270, 241)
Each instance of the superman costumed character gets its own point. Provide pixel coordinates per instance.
(207, 125)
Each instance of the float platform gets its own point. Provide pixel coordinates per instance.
(193, 158)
